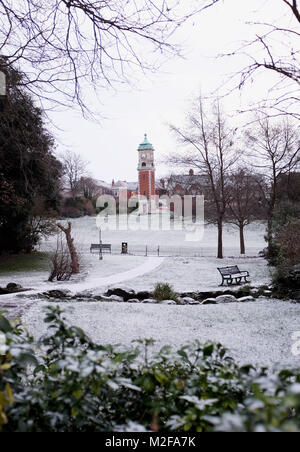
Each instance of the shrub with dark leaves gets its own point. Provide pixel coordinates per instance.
(67, 383)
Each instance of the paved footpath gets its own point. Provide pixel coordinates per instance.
(15, 305)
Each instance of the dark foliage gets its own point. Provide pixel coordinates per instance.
(30, 173)
(75, 385)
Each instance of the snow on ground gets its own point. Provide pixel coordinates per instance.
(96, 274)
(140, 272)
(199, 274)
(85, 231)
(259, 332)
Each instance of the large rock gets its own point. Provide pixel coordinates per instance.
(58, 294)
(246, 299)
(226, 299)
(208, 301)
(189, 300)
(134, 300)
(123, 292)
(149, 301)
(13, 287)
(143, 295)
(168, 302)
(114, 298)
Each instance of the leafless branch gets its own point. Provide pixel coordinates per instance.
(64, 45)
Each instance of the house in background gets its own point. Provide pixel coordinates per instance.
(184, 184)
(131, 187)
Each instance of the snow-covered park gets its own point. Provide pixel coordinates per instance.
(187, 265)
(259, 332)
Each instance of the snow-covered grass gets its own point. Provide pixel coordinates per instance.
(200, 274)
(85, 231)
(140, 272)
(258, 332)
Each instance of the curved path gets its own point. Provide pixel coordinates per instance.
(92, 282)
(16, 304)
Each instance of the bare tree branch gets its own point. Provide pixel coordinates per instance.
(64, 44)
(210, 150)
(275, 50)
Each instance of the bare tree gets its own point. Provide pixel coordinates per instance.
(61, 268)
(72, 250)
(75, 168)
(61, 44)
(275, 152)
(275, 49)
(89, 187)
(210, 150)
(245, 201)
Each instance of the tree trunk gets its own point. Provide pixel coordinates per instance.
(220, 239)
(242, 239)
(270, 240)
(72, 249)
(270, 226)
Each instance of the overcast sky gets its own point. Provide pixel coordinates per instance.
(161, 98)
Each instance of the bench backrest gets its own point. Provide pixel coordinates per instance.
(97, 246)
(229, 270)
(106, 246)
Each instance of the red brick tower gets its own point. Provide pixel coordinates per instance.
(146, 169)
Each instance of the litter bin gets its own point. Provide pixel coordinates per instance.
(124, 248)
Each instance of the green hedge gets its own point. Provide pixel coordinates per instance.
(67, 383)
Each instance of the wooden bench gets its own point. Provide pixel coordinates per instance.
(105, 247)
(231, 274)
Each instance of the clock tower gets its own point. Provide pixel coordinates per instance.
(146, 169)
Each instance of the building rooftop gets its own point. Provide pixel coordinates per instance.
(133, 186)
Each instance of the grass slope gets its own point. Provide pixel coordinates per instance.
(36, 261)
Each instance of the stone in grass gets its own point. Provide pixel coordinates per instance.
(111, 298)
(125, 292)
(189, 300)
(102, 298)
(150, 301)
(226, 299)
(169, 302)
(58, 294)
(246, 299)
(143, 295)
(209, 301)
(13, 287)
(115, 298)
(85, 294)
(134, 300)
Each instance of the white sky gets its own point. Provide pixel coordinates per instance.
(164, 97)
